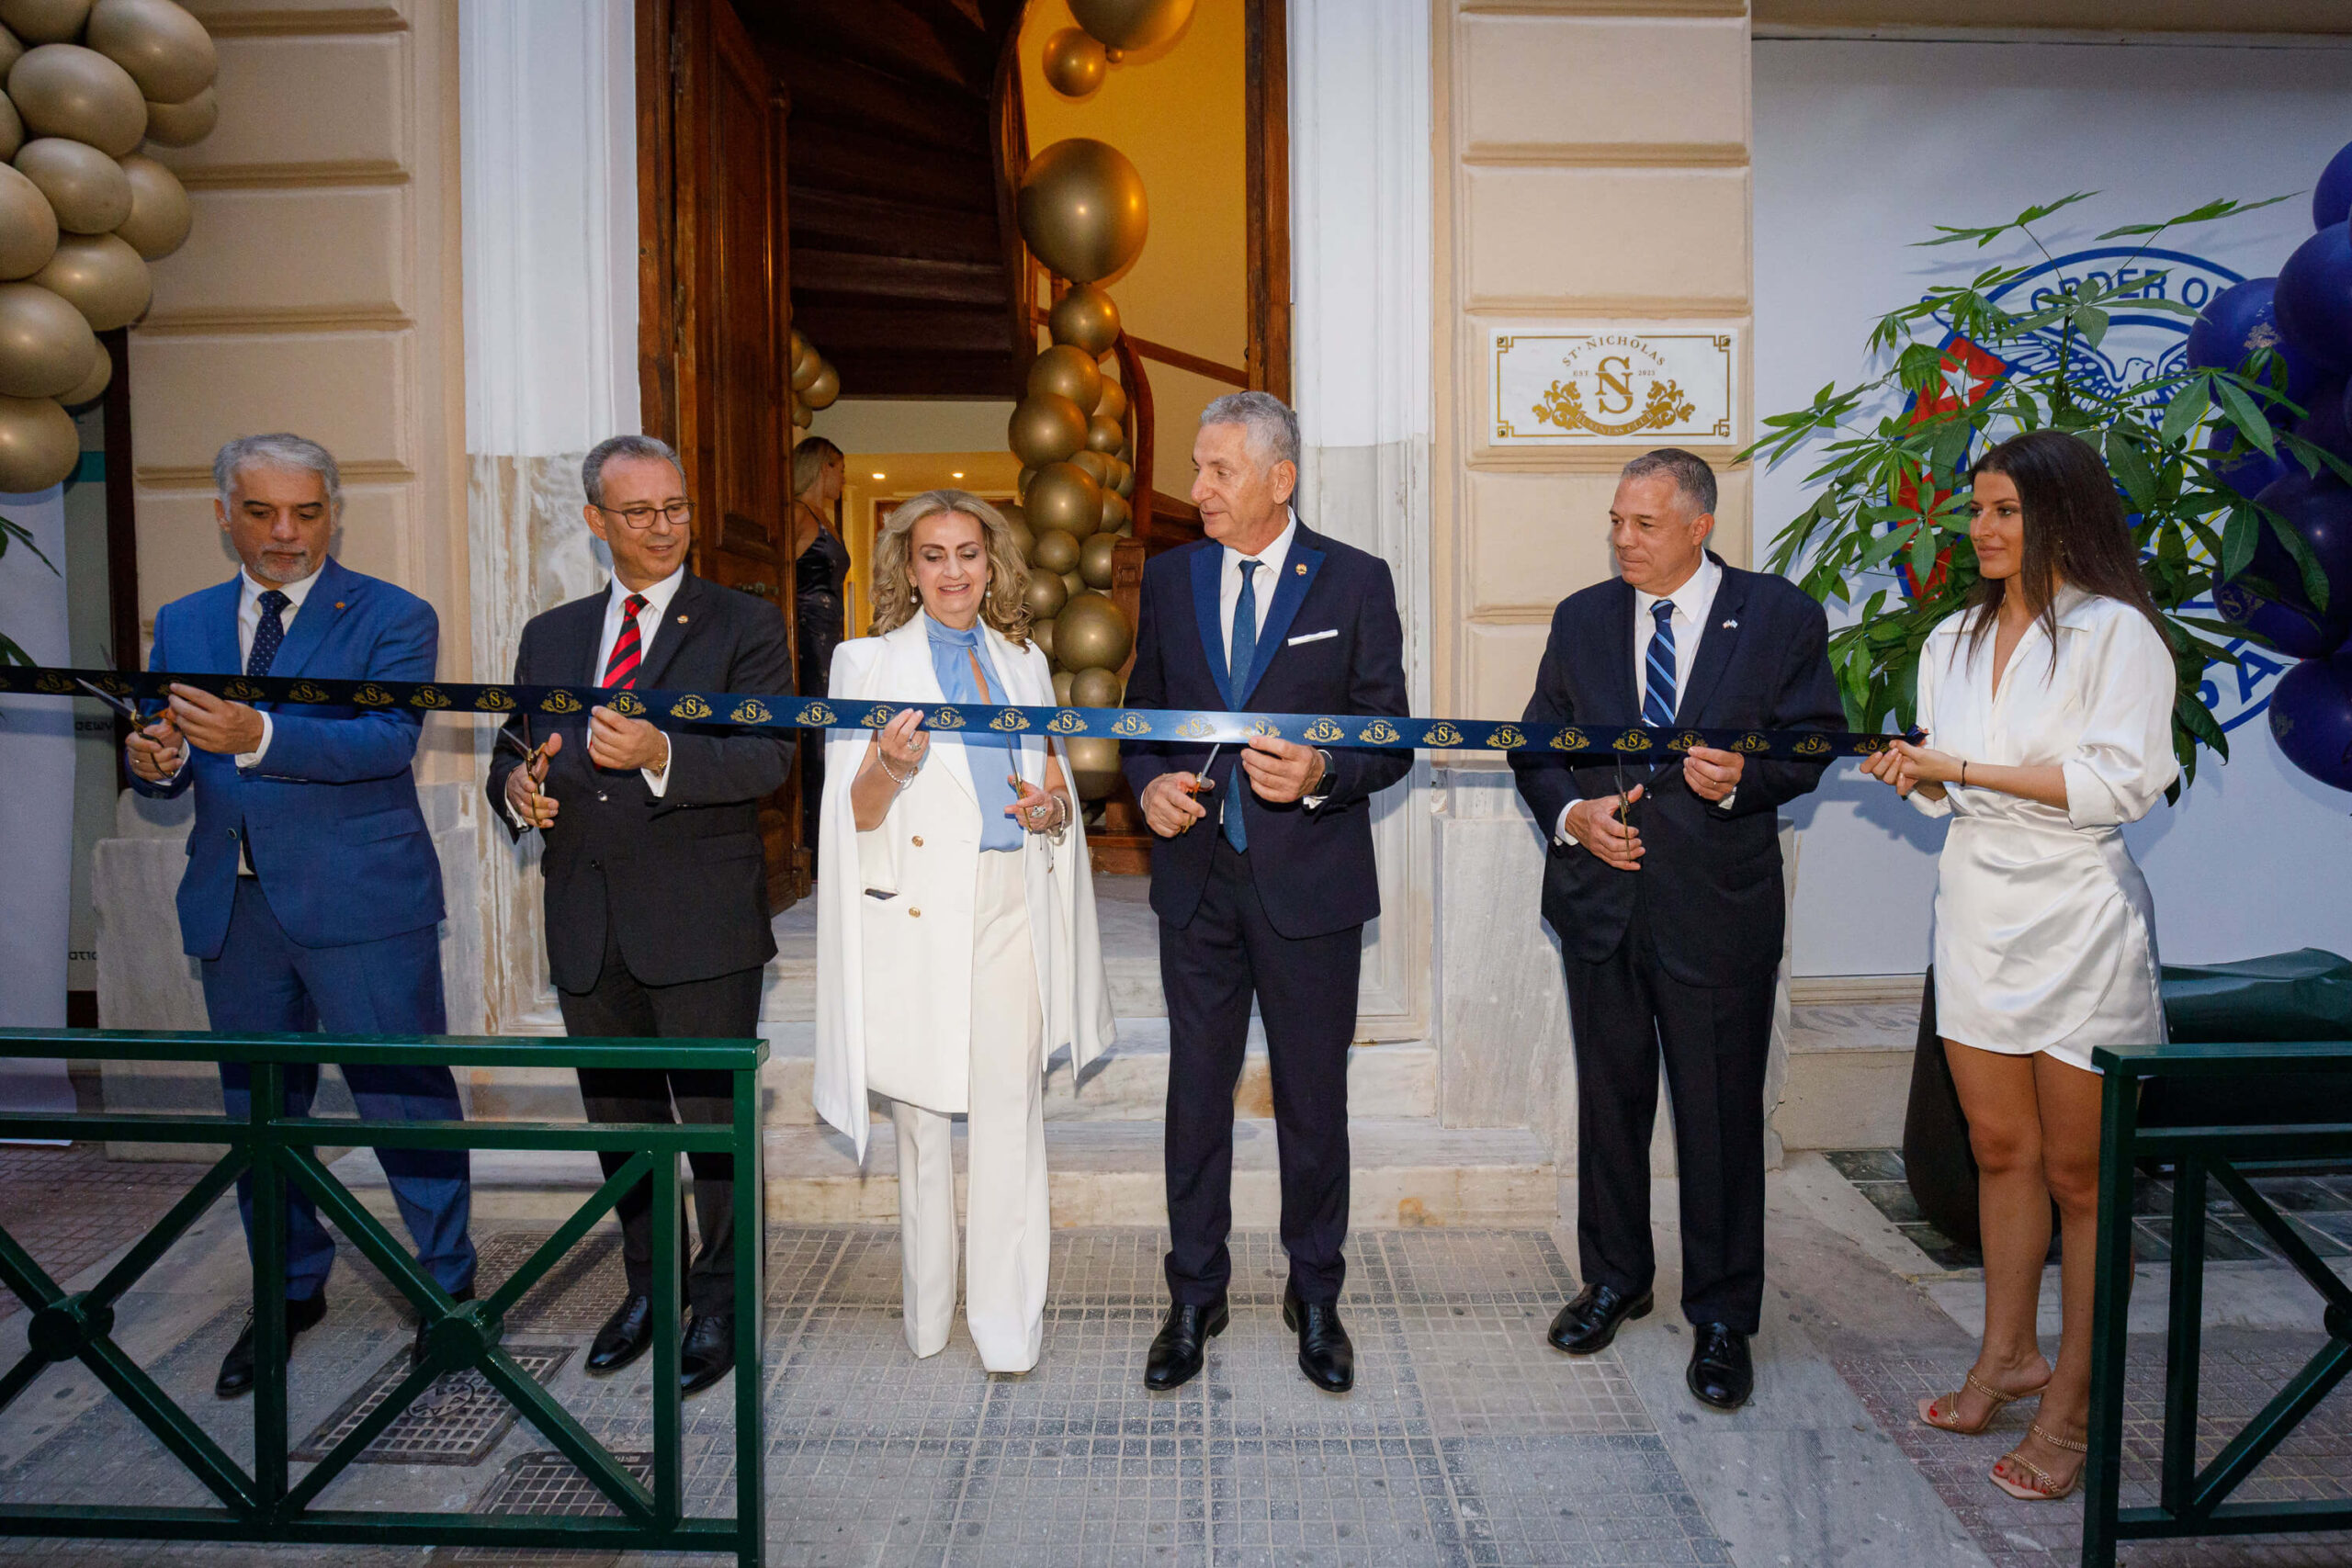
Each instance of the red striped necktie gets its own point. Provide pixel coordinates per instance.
(620, 670)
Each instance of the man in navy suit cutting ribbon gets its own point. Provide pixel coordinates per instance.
(1262, 869)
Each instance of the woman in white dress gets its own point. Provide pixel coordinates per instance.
(2047, 705)
(956, 946)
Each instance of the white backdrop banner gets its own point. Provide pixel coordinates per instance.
(36, 809)
(1861, 148)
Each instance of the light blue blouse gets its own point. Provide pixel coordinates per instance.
(990, 756)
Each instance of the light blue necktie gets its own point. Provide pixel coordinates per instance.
(1239, 656)
(1657, 703)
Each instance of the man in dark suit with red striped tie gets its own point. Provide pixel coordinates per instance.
(657, 911)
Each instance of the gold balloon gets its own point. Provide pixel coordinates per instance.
(62, 89)
(1116, 513)
(94, 384)
(1074, 584)
(100, 276)
(1094, 689)
(805, 362)
(166, 51)
(45, 346)
(1063, 496)
(39, 446)
(1085, 319)
(89, 192)
(1044, 595)
(1082, 208)
(1123, 477)
(1012, 511)
(12, 50)
(28, 226)
(1024, 540)
(1096, 560)
(802, 416)
(1097, 467)
(12, 132)
(45, 21)
(184, 124)
(1093, 765)
(1105, 436)
(1065, 681)
(1132, 24)
(1090, 634)
(159, 220)
(1112, 403)
(1075, 63)
(1066, 372)
(1041, 634)
(1045, 429)
(821, 393)
(1021, 483)
(1055, 551)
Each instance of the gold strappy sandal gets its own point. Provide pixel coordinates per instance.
(2045, 1487)
(1928, 1408)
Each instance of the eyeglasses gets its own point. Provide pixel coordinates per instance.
(679, 513)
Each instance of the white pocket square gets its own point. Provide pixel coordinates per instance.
(1312, 636)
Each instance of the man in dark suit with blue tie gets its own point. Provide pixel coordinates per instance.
(1261, 871)
(1668, 902)
(312, 893)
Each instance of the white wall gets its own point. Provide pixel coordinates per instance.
(1860, 147)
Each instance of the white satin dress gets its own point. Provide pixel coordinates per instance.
(2045, 935)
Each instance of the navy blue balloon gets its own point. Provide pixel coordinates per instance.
(2314, 300)
(2324, 426)
(2321, 511)
(2238, 320)
(2311, 718)
(2248, 473)
(2331, 197)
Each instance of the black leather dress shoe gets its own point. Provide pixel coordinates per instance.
(1181, 1347)
(1589, 1323)
(707, 1352)
(1325, 1354)
(417, 1350)
(1721, 1373)
(237, 1367)
(625, 1337)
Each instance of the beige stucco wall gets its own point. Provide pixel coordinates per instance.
(1591, 160)
(318, 293)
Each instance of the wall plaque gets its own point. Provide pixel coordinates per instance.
(1615, 383)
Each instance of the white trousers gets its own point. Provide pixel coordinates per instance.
(1004, 1286)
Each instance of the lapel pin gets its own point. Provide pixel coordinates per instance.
(1731, 626)
(338, 603)
(1300, 569)
(682, 620)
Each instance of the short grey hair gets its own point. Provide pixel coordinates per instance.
(592, 467)
(281, 450)
(1691, 475)
(1273, 427)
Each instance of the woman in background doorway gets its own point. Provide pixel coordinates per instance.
(819, 571)
(2048, 702)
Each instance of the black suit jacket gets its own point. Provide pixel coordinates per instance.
(681, 877)
(1313, 867)
(1712, 876)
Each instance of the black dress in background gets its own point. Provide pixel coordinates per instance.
(818, 593)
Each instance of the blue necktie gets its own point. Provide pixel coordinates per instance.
(267, 633)
(1657, 701)
(1239, 656)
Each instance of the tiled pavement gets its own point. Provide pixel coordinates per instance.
(1466, 1440)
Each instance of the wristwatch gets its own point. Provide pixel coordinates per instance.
(1325, 776)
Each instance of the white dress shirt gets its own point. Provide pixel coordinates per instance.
(1692, 601)
(649, 621)
(1269, 575)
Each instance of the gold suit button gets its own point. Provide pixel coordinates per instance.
(916, 914)
(917, 841)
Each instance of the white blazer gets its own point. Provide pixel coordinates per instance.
(894, 906)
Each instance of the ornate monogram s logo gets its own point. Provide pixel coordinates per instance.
(304, 691)
(1687, 740)
(1441, 734)
(1265, 726)
(1066, 722)
(1196, 728)
(815, 716)
(428, 697)
(875, 716)
(1379, 732)
(1132, 724)
(690, 706)
(243, 692)
(57, 684)
(1631, 740)
(1505, 737)
(1751, 743)
(113, 684)
(371, 695)
(559, 701)
(1323, 732)
(1813, 746)
(1870, 746)
(1009, 720)
(946, 717)
(492, 701)
(1571, 741)
(625, 704)
(751, 710)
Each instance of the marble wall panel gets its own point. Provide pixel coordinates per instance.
(1619, 89)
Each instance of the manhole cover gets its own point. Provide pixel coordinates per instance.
(543, 1483)
(575, 1296)
(457, 1420)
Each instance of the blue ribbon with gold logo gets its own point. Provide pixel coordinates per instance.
(1191, 727)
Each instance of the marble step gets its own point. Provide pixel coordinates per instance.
(1127, 1083)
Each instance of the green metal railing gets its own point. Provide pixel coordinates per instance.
(2193, 1502)
(269, 1504)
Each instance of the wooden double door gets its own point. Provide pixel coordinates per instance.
(714, 329)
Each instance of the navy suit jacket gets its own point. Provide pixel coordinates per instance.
(1712, 876)
(1313, 867)
(329, 814)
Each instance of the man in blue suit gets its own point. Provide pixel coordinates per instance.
(312, 893)
(1261, 871)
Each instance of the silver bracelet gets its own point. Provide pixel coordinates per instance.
(884, 758)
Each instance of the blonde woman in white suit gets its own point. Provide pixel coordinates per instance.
(957, 945)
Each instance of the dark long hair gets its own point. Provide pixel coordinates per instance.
(2076, 533)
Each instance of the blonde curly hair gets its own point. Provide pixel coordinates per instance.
(1003, 606)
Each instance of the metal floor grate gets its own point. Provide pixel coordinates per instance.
(459, 1420)
(542, 1482)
